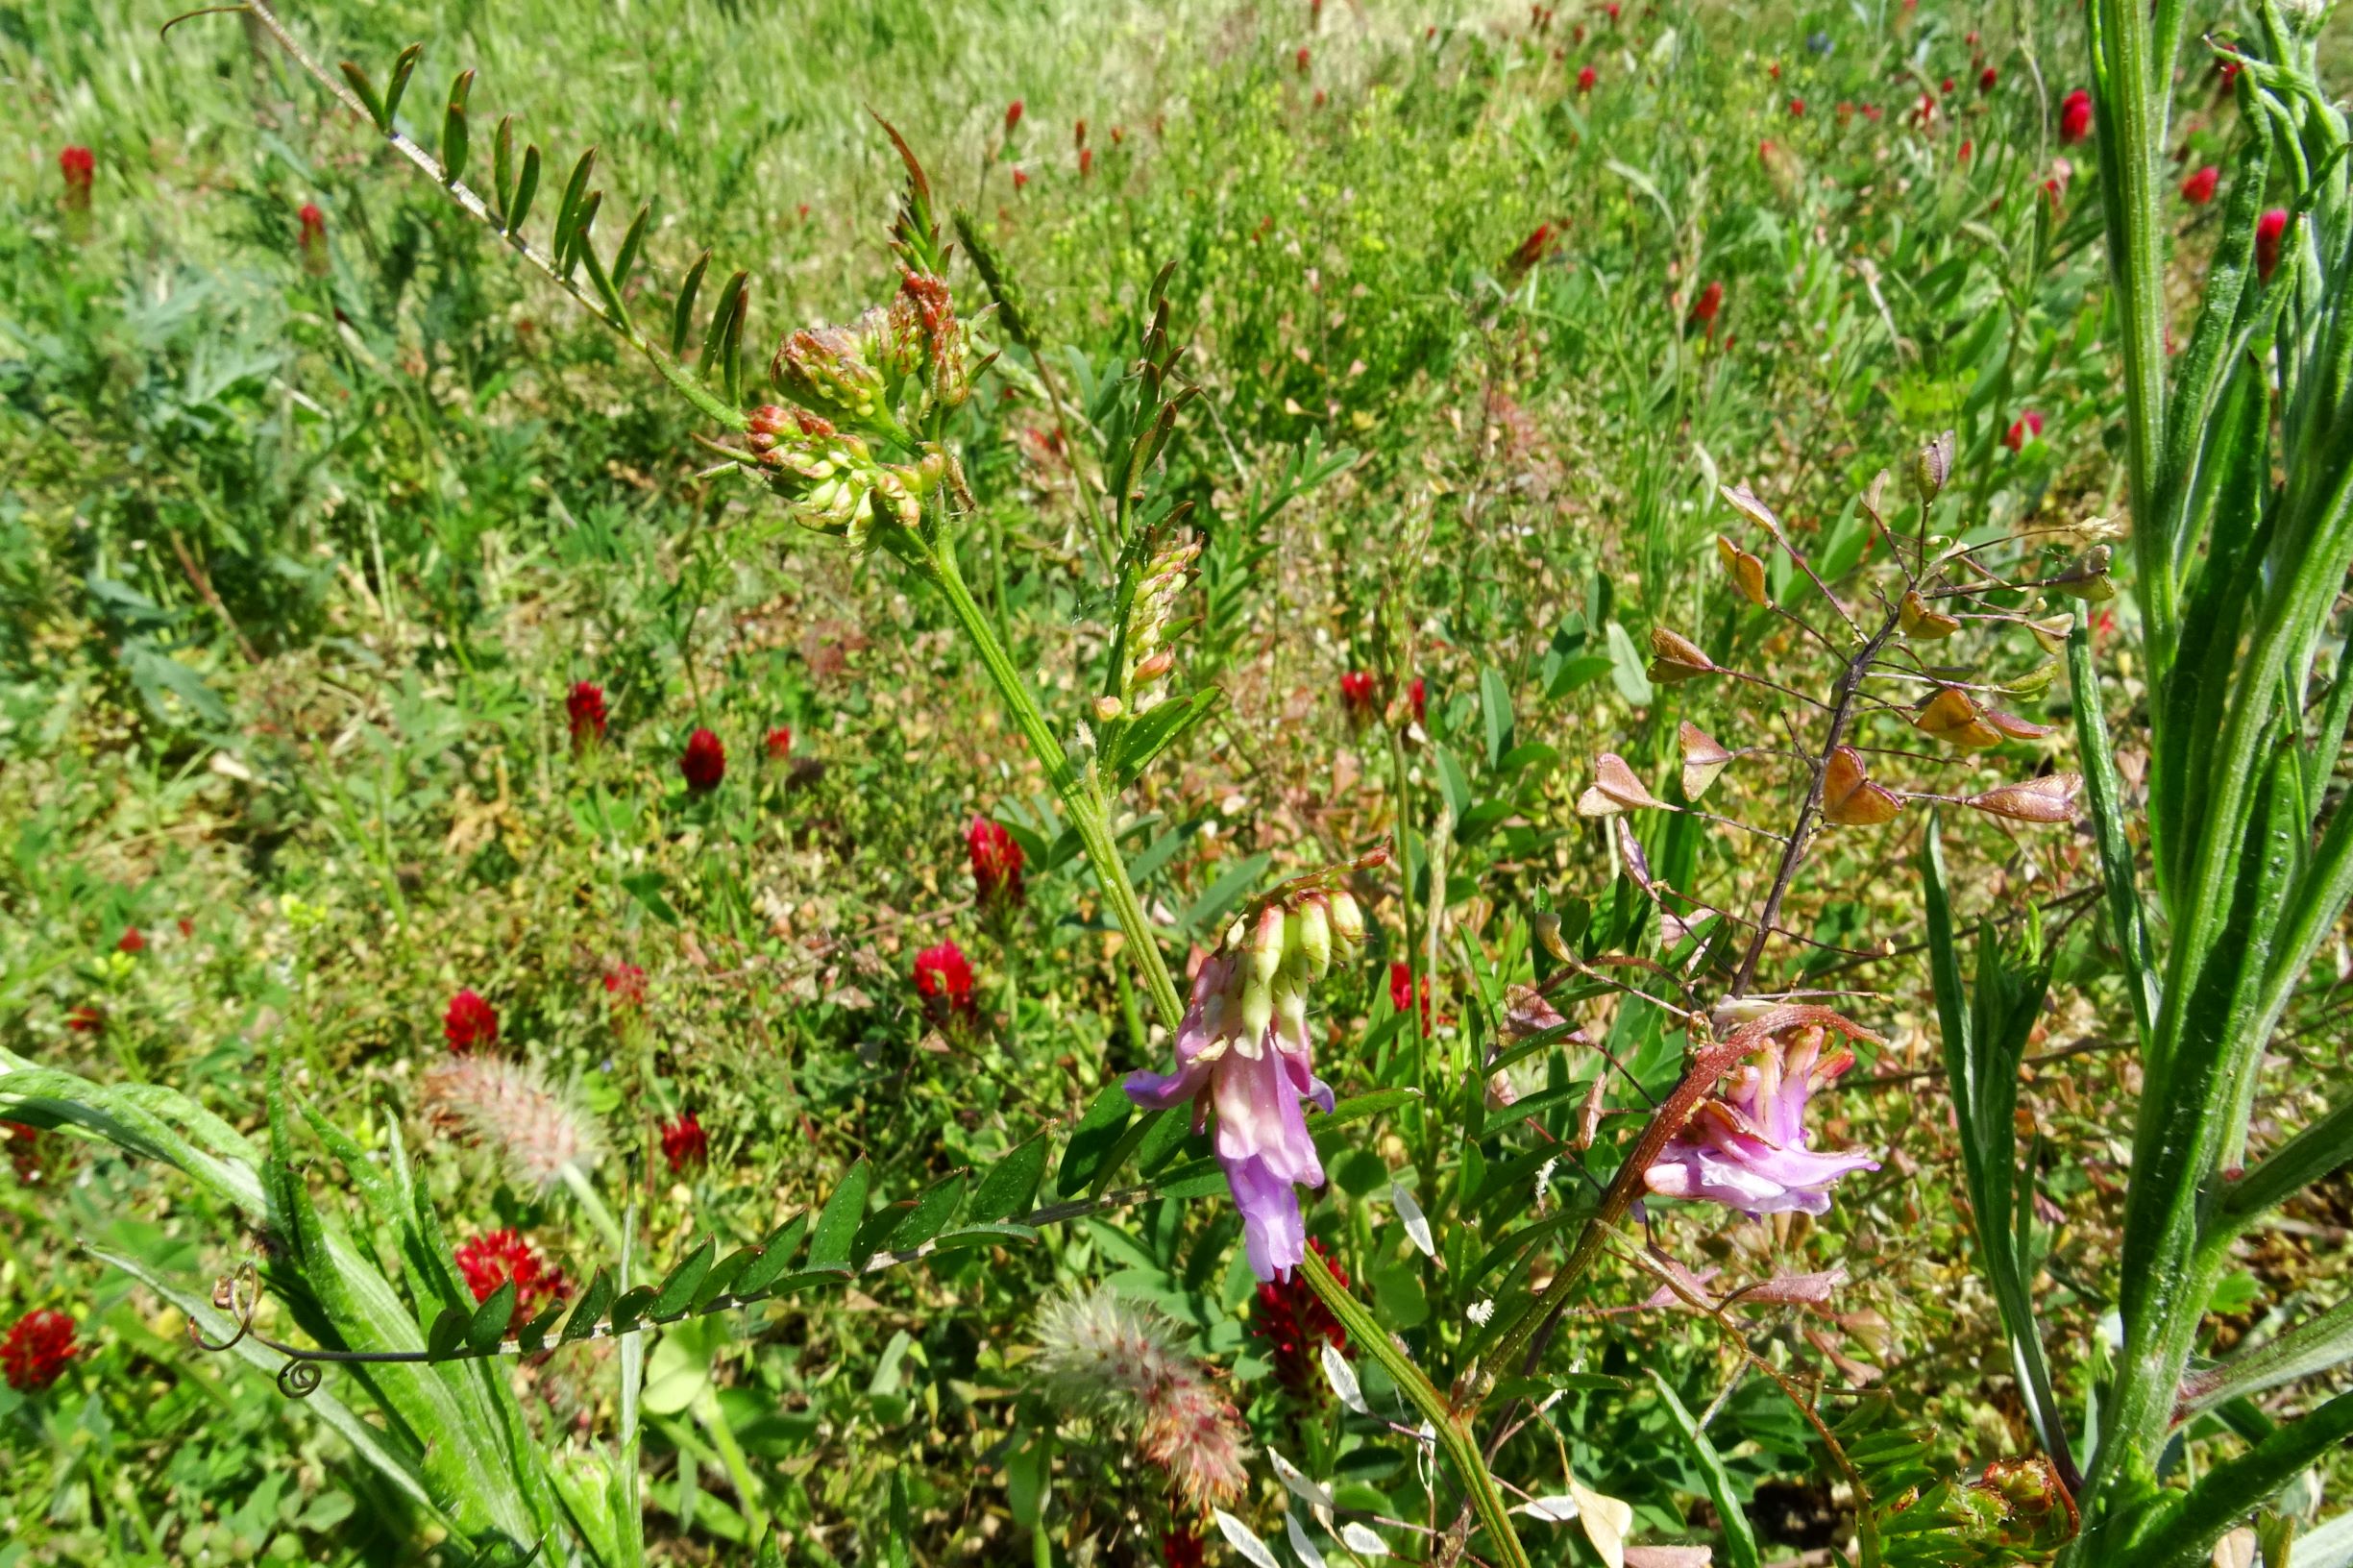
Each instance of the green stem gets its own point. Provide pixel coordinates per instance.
(592, 1206)
(1088, 815)
(1452, 1432)
(2229, 1491)
(731, 1454)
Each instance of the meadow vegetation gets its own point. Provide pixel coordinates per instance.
(1686, 659)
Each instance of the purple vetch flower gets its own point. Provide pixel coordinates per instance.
(1243, 1050)
(1746, 1149)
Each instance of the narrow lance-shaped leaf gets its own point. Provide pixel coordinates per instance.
(838, 1225)
(682, 316)
(526, 186)
(591, 1308)
(568, 206)
(583, 224)
(400, 71)
(678, 1286)
(625, 260)
(731, 347)
(357, 76)
(502, 165)
(453, 133)
(715, 338)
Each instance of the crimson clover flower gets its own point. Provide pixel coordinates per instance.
(2198, 189)
(996, 863)
(1295, 1324)
(80, 169)
(26, 1145)
(2027, 427)
(704, 763)
(470, 1022)
(2268, 229)
(684, 1142)
(1403, 990)
(1243, 1048)
(1747, 1149)
(132, 941)
(1987, 78)
(585, 709)
(36, 1349)
(626, 985)
(779, 743)
(1356, 693)
(1704, 309)
(943, 979)
(2075, 116)
(488, 1262)
(1586, 76)
(312, 239)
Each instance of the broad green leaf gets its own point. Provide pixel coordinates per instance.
(593, 1303)
(1093, 1139)
(1628, 668)
(837, 1227)
(678, 1286)
(775, 1256)
(1011, 1182)
(1495, 706)
(490, 1320)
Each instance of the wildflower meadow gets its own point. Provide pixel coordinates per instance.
(1285, 782)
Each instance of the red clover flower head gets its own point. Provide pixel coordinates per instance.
(36, 1349)
(1013, 116)
(2029, 426)
(312, 239)
(2198, 189)
(1586, 77)
(779, 743)
(2269, 230)
(28, 1151)
(2075, 116)
(585, 709)
(1295, 1324)
(469, 1021)
(488, 1262)
(1704, 309)
(79, 168)
(996, 863)
(704, 763)
(1356, 693)
(625, 984)
(132, 941)
(684, 1142)
(1987, 78)
(943, 979)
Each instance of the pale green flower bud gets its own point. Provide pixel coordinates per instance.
(1313, 928)
(1258, 1011)
(1347, 919)
(1267, 943)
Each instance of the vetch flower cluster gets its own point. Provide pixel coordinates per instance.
(1121, 1361)
(1747, 1148)
(1243, 1050)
